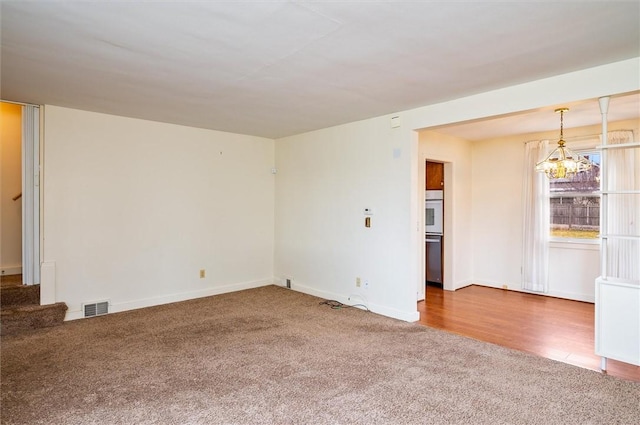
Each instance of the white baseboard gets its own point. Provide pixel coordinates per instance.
(462, 284)
(407, 316)
(498, 285)
(556, 294)
(572, 296)
(10, 270)
(172, 298)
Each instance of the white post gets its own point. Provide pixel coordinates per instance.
(604, 201)
(604, 185)
(30, 195)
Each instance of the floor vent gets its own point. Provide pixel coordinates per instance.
(96, 309)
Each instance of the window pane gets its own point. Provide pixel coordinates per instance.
(575, 209)
(588, 181)
(575, 217)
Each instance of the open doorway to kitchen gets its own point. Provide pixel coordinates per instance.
(444, 169)
(434, 223)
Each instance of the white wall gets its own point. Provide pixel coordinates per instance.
(458, 253)
(325, 180)
(134, 209)
(497, 219)
(11, 178)
(497, 211)
(327, 177)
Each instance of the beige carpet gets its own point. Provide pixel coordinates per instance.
(274, 356)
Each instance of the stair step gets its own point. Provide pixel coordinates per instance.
(19, 295)
(20, 318)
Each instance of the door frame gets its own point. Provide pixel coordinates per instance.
(30, 194)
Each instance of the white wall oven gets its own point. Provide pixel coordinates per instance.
(433, 209)
(433, 223)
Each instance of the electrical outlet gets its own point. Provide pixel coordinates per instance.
(357, 282)
(288, 281)
(202, 274)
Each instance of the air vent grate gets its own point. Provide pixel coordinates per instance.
(96, 309)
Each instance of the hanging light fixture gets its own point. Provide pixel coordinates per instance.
(562, 162)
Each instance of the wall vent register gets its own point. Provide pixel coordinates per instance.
(96, 309)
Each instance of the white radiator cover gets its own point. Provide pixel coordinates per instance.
(617, 324)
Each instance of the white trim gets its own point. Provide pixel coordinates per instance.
(616, 326)
(18, 103)
(412, 316)
(574, 243)
(571, 296)
(172, 298)
(30, 194)
(11, 270)
(461, 284)
(48, 283)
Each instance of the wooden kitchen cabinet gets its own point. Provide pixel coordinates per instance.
(434, 176)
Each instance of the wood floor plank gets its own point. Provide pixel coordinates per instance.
(555, 328)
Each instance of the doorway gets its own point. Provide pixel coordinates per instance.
(11, 135)
(434, 223)
(20, 212)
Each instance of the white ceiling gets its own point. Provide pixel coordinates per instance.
(277, 68)
(583, 113)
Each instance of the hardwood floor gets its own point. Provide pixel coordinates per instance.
(11, 280)
(558, 329)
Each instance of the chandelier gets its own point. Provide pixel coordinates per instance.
(562, 162)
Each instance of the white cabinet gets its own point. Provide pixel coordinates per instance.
(617, 321)
(617, 301)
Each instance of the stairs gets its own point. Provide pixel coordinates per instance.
(20, 310)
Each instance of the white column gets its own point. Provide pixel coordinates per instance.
(30, 195)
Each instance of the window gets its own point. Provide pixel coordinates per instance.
(575, 203)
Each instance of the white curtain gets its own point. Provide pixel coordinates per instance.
(535, 262)
(623, 209)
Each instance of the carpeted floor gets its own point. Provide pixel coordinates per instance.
(274, 356)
